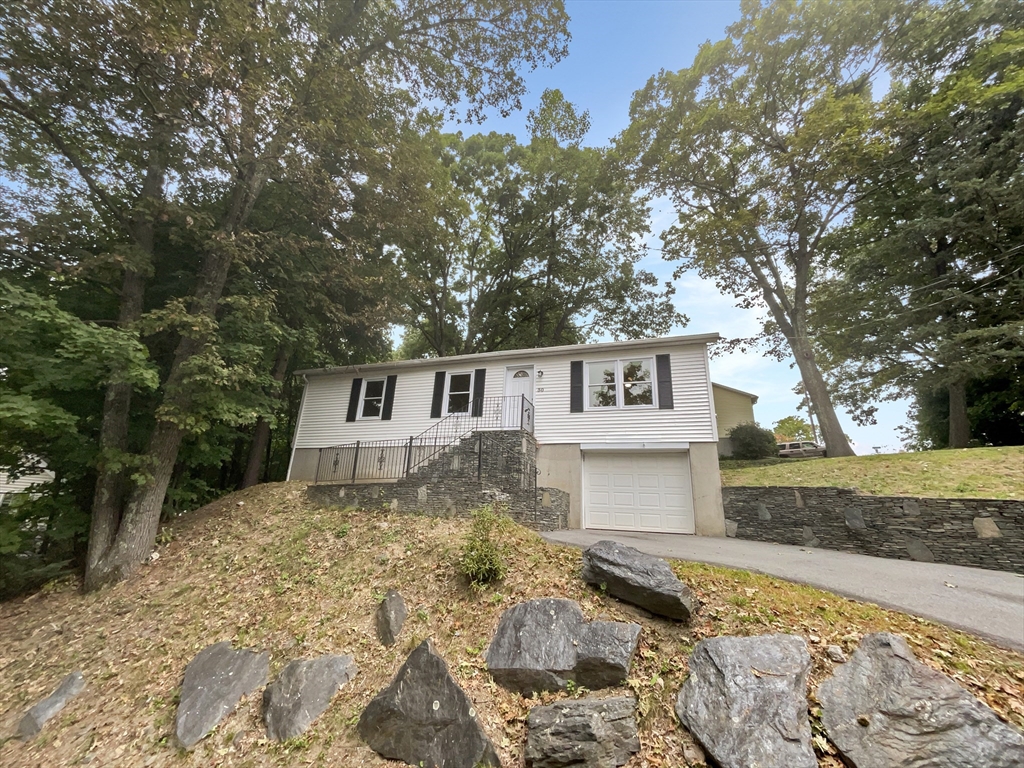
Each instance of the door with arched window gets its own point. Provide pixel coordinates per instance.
(518, 384)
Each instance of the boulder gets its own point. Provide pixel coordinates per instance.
(885, 708)
(746, 703)
(424, 718)
(302, 692)
(36, 717)
(391, 615)
(637, 578)
(215, 681)
(540, 645)
(588, 732)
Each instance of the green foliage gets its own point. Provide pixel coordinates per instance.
(793, 428)
(484, 558)
(750, 441)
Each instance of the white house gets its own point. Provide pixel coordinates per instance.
(627, 429)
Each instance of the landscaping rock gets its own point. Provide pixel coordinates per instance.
(540, 645)
(745, 701)
(637, 578)
(302, 692)
(215, 680)
(36, 717)
(588, 732)
(391, 615)
(835, 653)
(918, 550)
(884, 708)
(424, 718)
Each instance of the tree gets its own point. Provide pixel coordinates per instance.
(749, 441)
(174, 121)
(759, 145)
(529, 246)
(792, 428)
(930, 284)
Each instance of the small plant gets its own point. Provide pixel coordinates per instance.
(343, 530)
(483, 560)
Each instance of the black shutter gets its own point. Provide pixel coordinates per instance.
(661, 363)
(576, 386)
(435, 404)
(479, 376)
(389, 398)
(353, 399)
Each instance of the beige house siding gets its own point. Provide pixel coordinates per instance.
(731, 408)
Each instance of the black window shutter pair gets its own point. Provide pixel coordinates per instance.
(437, 403)
(386, 407)
(663, 374)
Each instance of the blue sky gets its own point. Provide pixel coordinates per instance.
(617, 45)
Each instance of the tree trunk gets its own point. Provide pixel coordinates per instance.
(959, 425)
(820, 400)
(261, 435)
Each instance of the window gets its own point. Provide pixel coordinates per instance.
(460, 388)
(620, 384)
(373, 399)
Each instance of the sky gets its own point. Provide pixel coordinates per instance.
(617, 45)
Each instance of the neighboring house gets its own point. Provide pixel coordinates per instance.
(732, 407)
(9, 488)
(623, 432)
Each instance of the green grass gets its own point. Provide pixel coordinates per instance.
(985, 473)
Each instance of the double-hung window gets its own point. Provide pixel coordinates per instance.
(627, 383)
(460, 392)
(373, 399)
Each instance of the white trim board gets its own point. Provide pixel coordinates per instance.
(648, 446)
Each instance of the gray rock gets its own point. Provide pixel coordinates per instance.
(391, 615)
(918, 550)
(731, 528)
(854, 519)
(762, 510)
(807, 537)
(215, 680)
(745, 701)
(637, 578)
(835, 653)
(885, 709)
(541, 645)
(986, 528)
(587, 732)
(36, 717)
(302, 692)
(424, 718)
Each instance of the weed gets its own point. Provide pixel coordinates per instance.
(483, 560)
(343, 530)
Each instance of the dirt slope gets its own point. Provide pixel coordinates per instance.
(261, 568)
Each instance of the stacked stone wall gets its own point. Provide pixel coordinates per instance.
(983, 533)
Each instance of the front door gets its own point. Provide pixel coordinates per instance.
(518, 385)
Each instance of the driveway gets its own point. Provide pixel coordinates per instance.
(989, 604)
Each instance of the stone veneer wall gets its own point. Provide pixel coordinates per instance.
(452, 497)
(984, 533)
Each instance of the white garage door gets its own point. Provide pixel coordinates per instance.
(638, 491)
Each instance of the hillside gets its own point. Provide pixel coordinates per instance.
(983, 473)
(263, 569)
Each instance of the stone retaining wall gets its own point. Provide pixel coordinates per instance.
(451, 497)
(984, 533)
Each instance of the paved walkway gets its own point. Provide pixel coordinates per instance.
(989, 604)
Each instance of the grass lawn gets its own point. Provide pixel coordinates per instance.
(983, 473)
(262, 568)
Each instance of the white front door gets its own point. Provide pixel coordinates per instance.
(638, 491)
(518, 384)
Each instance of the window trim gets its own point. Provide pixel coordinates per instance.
(620, 385)
(362, 399)
(447, 391)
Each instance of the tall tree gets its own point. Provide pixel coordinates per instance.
(759, 145)
(530, 245)
(930, 291)
(186, 114)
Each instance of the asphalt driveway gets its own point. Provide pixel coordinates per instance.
(989, 604)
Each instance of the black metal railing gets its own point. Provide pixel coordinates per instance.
(395, 459)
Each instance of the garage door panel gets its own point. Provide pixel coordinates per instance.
(638, 491)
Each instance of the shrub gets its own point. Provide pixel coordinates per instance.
(749, 441)
(483, 560)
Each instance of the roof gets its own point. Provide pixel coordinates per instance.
(505, 354)
(753, 397)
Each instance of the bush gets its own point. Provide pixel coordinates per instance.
(483, 560)
(749, 441)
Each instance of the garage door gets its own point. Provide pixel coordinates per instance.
(638, 491)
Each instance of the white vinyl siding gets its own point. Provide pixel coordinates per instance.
(322, 418)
